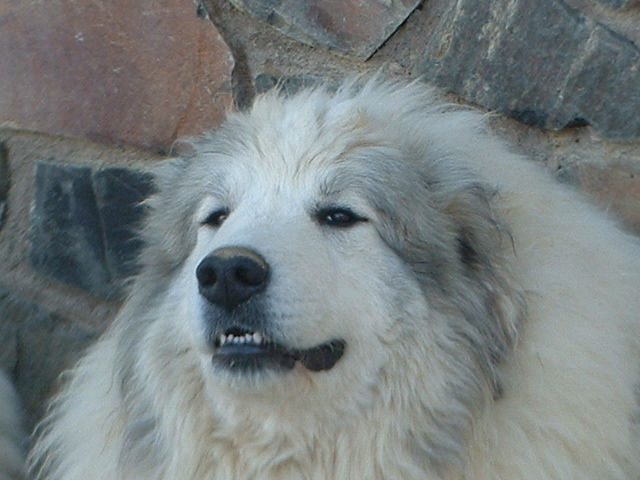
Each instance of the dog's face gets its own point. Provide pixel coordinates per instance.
(289, 275)
(329, 242)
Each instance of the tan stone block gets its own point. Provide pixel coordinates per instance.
(616, 188)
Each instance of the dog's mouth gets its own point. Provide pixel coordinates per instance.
(244, 350)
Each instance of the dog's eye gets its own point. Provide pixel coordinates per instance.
(339, 217)
(216, 218)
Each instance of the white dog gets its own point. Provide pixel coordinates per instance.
(362, 283)
(12, 436)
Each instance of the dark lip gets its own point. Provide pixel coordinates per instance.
(245, 351)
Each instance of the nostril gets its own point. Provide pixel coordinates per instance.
(206, 273)
(251, 274)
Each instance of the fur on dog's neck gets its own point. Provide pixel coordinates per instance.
(244, 439)
(241, 446)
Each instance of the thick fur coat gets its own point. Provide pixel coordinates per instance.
(361, 283)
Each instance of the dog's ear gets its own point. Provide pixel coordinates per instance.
(185, 146)
(167, 212)
(490, 299)
(166, 172)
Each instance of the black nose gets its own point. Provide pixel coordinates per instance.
(230, 276)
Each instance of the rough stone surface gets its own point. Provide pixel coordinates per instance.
(615, 188)
(288, 85)
(4, 182)
(27, 328)
(353, 27)
(83, 222)
(620, 4)
(139, 73)
(568, 72)
(118, 192)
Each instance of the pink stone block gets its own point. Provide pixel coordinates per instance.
(123, 71)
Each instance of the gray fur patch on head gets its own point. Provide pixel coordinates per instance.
(439, 219)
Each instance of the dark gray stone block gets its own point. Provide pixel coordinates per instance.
(620, 4)
(83, 223)
(540, 62)
(353, 27)
(4, 182)
(118, 192)
(35, 347)
(66, 235)
(287, 85)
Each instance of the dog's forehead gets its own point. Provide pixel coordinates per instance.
(289, 165)
(320, 146)
(358, 176)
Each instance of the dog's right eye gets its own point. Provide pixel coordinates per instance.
(216, 218)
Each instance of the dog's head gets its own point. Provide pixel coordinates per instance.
(337, 238)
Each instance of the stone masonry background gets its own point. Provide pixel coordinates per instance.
(93, 93)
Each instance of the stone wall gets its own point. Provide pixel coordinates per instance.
(93, 93)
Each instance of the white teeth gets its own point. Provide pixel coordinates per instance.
(248, 338)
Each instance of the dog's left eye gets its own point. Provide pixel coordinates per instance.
(339, 217)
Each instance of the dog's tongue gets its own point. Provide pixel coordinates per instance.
(323, 357)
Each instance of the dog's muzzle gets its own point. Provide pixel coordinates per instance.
(228, 279)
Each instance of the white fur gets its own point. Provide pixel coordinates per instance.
(11, 434)
(416, 395)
